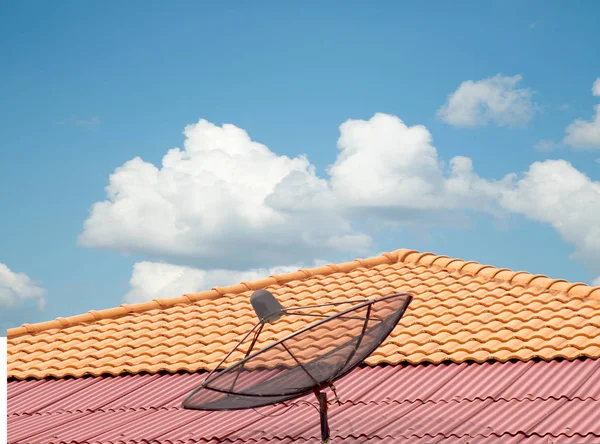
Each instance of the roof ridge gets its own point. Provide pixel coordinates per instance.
(489, 272)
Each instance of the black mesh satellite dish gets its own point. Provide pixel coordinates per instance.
(307, 360)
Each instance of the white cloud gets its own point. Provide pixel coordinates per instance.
(494, 100)
(383, 163)
(556, 193)
(227, 203)
(596, 87)
(151, 280)
(16, 288)
(388, 169)
(584, 134)
(596, 282)
(208, 202)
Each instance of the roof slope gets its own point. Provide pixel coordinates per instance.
(460, 311)
(491, 402)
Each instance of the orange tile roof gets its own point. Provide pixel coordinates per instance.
(461, 311)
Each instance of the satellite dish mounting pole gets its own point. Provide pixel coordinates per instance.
(322, 397)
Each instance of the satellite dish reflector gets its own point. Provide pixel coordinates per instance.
(304, 361)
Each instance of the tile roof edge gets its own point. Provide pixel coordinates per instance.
(577, 289)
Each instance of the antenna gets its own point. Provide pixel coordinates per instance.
(307, 360)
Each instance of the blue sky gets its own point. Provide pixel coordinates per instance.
(88, 86)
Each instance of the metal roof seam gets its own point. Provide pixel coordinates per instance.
(51, 427)
(444, 437)
(295, 404)
(175, 427)
(561, 439)
(34, 384)
(240, 427)
(65, 395)
(95, 410)
(133, 389)
(502, 390)
(572, 392)
(436, 389)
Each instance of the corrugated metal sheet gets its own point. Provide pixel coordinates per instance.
(556, 401)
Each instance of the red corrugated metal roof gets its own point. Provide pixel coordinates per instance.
(556, 401)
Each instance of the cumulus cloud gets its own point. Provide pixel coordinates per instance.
(209, 202)
(386, 168)
(495, 100)
(383, 163)
(21, 298)
(584, 134)
(556, 193)
(227, 203)
(151, 280)
(16, 288)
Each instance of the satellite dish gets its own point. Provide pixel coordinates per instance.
(304, 361)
